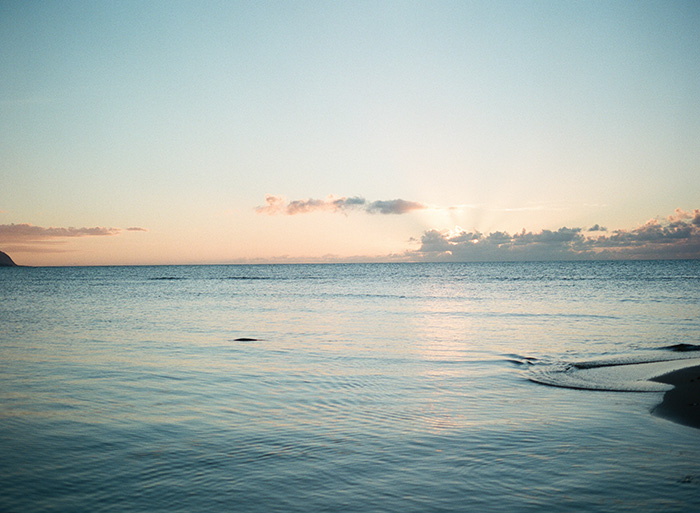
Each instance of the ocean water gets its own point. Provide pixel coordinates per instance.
(362, 387)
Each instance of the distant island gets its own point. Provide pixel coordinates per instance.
(6, 261)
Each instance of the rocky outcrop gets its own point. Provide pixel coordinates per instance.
(6, 261)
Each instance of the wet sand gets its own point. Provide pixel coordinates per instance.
(682, 403)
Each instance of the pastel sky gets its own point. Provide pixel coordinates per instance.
(222, 132)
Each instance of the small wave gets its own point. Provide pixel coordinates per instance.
(555, 315)
(250, 278)
(167, 278)
(519, 360)
(618, 374)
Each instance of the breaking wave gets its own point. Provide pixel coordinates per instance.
(615, 374)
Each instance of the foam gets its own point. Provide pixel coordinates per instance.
(624, 374)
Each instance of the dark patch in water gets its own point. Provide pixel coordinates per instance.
(682, 348)
(161, 278)
(246, 339)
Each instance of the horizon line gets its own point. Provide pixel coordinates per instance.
(378, 262)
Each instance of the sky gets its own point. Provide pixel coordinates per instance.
(177, 132)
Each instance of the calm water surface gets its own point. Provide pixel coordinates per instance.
(379, 387)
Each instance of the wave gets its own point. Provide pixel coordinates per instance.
(236, 278)
(250, 278)
(614, 374)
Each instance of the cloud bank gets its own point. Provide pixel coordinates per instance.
(277, 205)
(28, 237)
(678, 236)
(27, 232)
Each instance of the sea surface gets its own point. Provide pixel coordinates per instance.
(351, 388)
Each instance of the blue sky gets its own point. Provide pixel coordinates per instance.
(178, 119)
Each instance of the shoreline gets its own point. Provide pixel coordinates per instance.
(681, 404)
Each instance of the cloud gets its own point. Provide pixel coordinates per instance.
(27, 232)
(680, 215)
(331, 204)
(136, 229)
(275, 205)
(678, 230)
(397, 206)
(26, 237)
(676, 237)
(476, 246)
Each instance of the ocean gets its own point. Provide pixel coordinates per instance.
(355, 388)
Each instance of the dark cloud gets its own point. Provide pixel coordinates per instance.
(561, 236)
(434, 241)
(652, 232)
(677, 237)
(28, 232)
(332, 204)
(304, 206)
(597, 228)
(26, 237)
(277, 205)
(397, 206)
(475, 246)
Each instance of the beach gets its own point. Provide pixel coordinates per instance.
(682, 403)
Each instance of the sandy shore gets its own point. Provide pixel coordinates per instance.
(682, 403)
